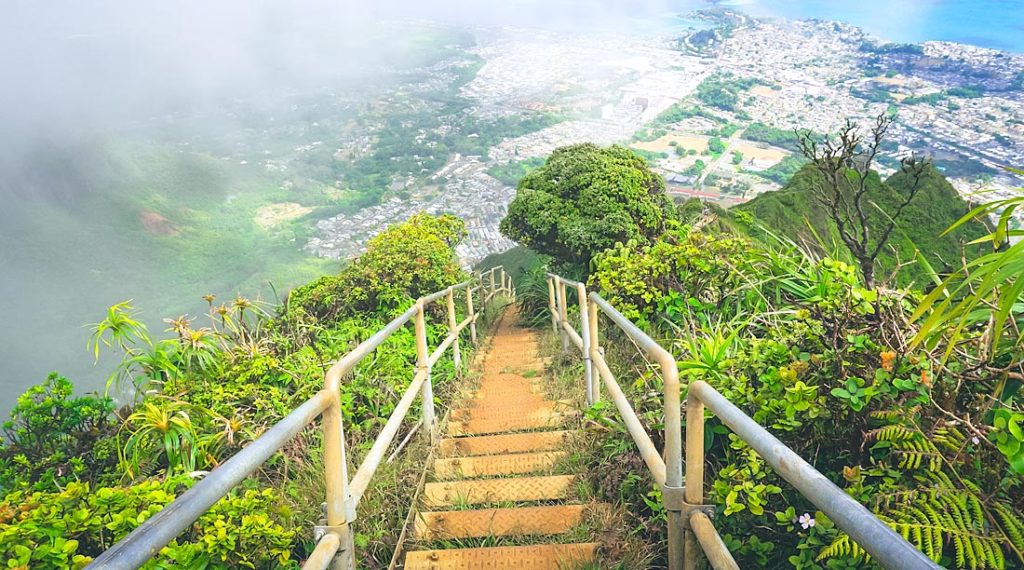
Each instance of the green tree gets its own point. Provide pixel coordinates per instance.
(584, 200)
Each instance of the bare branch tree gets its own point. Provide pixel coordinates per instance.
(844, 162)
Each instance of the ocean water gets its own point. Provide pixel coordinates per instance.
(997, 24)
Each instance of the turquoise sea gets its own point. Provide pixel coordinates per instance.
(997, 24)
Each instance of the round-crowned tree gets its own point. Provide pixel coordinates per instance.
(584, 200)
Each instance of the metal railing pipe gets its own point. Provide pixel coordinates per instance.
(423, 367)
(469, 311)
(588, 364)
(694, 491)
(553, 303)
(448, 341)
(361, 480)
(648, 452)
(673, 420)
(454, 332)
(595, 348)
(886, 546)
(159, 530)
(711, 543)
(563, 311)
(570, 333)
(323, 554)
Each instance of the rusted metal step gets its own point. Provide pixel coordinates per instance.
(539, 557)
(479, 491)
(494, 465)
(503, 443)
(508, 423)
(508, 408)
(522, 521)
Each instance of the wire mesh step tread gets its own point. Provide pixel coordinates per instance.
(538, 557)
(509, 410)
(519, 489)
(502, 443)
(493, 465)
(521, 521)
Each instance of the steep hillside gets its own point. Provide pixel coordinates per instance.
(792, 212)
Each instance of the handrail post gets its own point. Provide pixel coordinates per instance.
(563, 313)
(588, 364)
(423, 366)
(595, 349)
(553, 304)
(678, 538)
(492, 281)
(471, 314)
(453, 323)
(340, 509)
(694, 492)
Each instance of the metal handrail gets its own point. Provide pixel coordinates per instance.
(335, 546)
(691, 532)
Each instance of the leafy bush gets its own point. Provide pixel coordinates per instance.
(54, 438)
(66, 529)
(808, 352)
(405, 261)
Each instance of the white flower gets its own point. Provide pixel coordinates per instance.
(975, 440)
(806, 521)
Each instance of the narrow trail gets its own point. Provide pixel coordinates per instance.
(497, 479)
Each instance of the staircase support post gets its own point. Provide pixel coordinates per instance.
(453, 323)
(563, 313)
(588, 364)
(471, 314)
(340, 508)
(423, 367)
(678, 537)
(694, 491)
(492, 281)
(553, 304)
(594, 349)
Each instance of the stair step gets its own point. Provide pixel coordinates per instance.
(516, 400)
(508, 408)
(450, 493)
(513, 421)
(523, 521)
(494, 465)
(539, 557)
(503, 443)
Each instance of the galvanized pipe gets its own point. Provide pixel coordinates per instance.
(588, 365)
(570, 333)
(563, 313)
(156, 532)
(673, 420)
(324, 552)
(471, 313)
(694, 491)
(595, 348)
(448, 340)
(452, 323)
(361, 480)
(553, 303)
(887, 547)
(423, 367)
(711, 543)
(643, 442)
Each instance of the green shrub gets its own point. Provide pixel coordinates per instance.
(66, 529)
(54, 438)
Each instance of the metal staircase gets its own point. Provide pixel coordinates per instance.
(495, 477)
